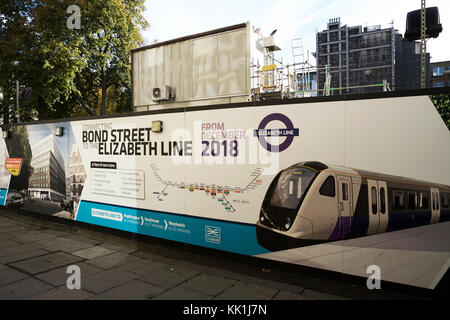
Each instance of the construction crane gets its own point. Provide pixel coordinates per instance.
(423, 44)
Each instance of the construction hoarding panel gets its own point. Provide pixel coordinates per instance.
(213, 177)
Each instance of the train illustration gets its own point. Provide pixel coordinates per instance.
(312, 202)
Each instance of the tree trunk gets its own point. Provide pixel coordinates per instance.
(5, 114)
(104, 94)
(88, 109)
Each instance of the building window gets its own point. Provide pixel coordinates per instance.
(345, 191)
(438, 71)
(424, 200)
(445, 201)
(412, 200)
(327, 188)
(382, 200)
(438, 85)
(433, 195)
(398, 200)
(374, 200)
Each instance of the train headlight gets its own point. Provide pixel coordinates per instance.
(262, 218)
(288, 223)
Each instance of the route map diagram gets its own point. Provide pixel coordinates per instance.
(222, 194)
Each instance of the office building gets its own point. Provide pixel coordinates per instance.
(408, 64)
(440, 74)
(48, 178)
(77, 173)
(357, 56)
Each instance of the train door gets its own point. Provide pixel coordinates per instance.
(345, 204)
(378, 208)
(435, 205)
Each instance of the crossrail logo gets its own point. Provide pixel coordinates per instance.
(212, 234)
(289, 132)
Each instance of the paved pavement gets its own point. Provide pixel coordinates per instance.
(35, 254)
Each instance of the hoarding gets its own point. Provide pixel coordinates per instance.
(280, 181)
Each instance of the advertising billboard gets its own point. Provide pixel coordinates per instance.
(335, 185)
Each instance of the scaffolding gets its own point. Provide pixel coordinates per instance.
(349, 60)
(274, 81)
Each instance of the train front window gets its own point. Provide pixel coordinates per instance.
(291, 185)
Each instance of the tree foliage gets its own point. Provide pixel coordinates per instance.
(70, 71)
(442, 104)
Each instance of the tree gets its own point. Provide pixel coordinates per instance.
(71, 71)
(15, 35)
(19, 147)
(442, 104)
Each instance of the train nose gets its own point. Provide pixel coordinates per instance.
(276, 220)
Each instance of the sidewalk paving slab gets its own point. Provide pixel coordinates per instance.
(285, 295)
(35, 253)
(277, 285)
(170, 276)
(13, 230)
(53, 243)
(142, 267)
(82, 238)
(23, 289)
(46, 262)
(247, 291)
(133, 290)
(8, 275)
(112, 260)
(4, 243)
(33, 236)
(20, 248)
(208, 284)
(72, 246)
(123, 247)
(322, 295)
(101, 281)
(62, 293)
(178, 293)
(58, 277)
(23, 256)
(92, 252)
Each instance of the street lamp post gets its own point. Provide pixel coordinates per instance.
(17, 100)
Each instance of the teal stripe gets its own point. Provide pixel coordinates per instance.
(3, 193)
(216, 234)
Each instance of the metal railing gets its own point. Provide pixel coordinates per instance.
(286, 82)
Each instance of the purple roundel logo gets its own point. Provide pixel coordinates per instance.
(289, 132)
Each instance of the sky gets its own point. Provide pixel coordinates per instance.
(293, 19)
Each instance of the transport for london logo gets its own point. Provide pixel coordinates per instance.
(289, 132)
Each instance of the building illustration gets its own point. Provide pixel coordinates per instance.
(77, 174)
(48, 178)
